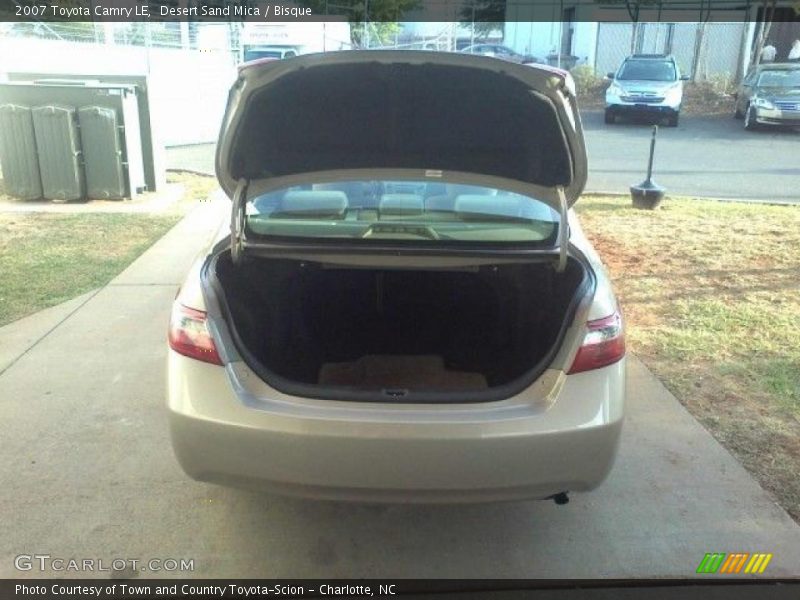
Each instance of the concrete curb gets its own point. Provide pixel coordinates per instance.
(626, 194)
(164, 263)
(18, 337)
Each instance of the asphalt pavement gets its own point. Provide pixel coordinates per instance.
(705, 156)
(87, 471)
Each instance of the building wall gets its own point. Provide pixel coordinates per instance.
(584, 44)
(535, 38)
(602, 35)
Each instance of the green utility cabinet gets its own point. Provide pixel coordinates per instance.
(87, 140)
(102, 152)
(152, 147)
(18, 156)
(59, 146)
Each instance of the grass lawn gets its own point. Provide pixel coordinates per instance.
(47, 258)
(711, 294)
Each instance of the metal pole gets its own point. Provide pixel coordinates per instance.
(366, 24)
(560, 46)
(652, 152)
(472, 34)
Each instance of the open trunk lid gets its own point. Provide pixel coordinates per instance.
(443, 117)
(431, 114)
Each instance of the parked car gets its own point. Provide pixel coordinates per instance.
(404, 307)
(503, 52)
(770, 95)
(646, 84)
(276, 52)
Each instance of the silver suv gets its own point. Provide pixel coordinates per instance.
(648, 84)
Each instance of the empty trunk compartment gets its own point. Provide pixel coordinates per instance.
(395, 331)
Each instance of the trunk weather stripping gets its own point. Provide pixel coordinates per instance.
(237, 221)
(563, 231)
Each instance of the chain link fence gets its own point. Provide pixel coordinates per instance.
(443, 37)
(180, 35)
(703, 50)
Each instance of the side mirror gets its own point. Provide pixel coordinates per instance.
(610, 75)
(685, 78)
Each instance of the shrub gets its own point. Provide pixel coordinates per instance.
(586, 81)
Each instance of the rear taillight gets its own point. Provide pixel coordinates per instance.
(603, 345)
(189, 335)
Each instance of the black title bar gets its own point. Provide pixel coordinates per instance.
(479, 11)
(449, 589)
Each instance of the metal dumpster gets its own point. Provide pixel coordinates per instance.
(59, 145)
(102, 152)
(18, 156)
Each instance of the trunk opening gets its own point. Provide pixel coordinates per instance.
(402, 334)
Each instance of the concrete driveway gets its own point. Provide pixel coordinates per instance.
(710, 157)
(87, 472)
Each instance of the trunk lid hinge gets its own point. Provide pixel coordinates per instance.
(237, 221)
(563, 230)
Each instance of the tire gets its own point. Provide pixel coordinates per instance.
(750, 119)
(672, 121)
(610, 119)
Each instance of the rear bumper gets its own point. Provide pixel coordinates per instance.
(368, 452)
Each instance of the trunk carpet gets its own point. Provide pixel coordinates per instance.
(400, 371)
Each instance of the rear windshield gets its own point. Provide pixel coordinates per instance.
(785, 79)
(402, 210)
(647, 70)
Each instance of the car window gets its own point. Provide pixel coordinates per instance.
(256, 54)
(402, 210)
(647, 70)
(785, 79)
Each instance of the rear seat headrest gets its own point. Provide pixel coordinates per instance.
(470, 206)
(508, 206)
(401, 204)
(314, 204)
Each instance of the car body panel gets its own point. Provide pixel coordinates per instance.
(501, 52)
(324, 449)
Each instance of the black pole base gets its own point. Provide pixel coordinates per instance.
(647, 195)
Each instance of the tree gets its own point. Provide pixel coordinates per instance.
(768, 7)
(385, 12)
(485, 15)
(633, 7)
(702, 26)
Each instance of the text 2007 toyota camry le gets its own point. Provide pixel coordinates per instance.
(406, 308)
